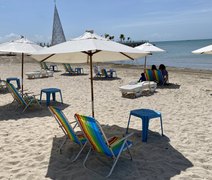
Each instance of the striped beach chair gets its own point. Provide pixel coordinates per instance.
(68, 130)
(24, 100)
(158, 76)
(112, 147)
(149, 75)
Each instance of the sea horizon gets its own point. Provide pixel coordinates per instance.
(178, 53)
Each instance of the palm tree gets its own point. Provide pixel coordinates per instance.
(122, 37)
(111, 38)
(107, 36)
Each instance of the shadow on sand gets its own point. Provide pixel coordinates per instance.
(69, 74)
(105, 79)
(169, 86)
(14, 112)
(156, 159)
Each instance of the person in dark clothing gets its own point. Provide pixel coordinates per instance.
(154, 67)
(162, 67)
(142, 78)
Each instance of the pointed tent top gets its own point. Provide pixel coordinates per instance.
(57, 32)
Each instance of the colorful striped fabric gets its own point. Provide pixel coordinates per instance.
(154, 75)
(16, 95)
(158, 76)
(96, 137)
(116, 144)
(149, 75)
(58, 114)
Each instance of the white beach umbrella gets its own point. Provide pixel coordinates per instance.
(204, 50)
(21, 46)
(88, 46)
(148, 47)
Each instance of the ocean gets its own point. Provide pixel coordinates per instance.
(178, 54)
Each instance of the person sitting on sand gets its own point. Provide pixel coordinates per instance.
(142, 78)
(154, 67)
(162, 67)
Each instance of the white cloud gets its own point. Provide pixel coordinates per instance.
(40, 38)
(9, 37)
(35, 38)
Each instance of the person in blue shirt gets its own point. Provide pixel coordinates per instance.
(142, 78)
(165, 74)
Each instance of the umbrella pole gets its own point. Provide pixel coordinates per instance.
(145, 64)
(22, 74)
(91, 73)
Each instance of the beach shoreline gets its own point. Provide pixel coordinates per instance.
(29, 141)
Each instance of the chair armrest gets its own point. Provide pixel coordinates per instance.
(122, 139)
(126, 137)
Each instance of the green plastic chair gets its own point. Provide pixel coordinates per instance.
(69, 69)
(112, 147)
(44, 66)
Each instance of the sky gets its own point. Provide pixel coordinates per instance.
(151, 20)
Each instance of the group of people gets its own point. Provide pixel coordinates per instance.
(163, 70)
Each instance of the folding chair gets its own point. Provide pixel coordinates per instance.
(112, 147)
(68, 130)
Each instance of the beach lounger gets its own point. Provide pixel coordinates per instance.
(25, 101)
(2, 85)
(69, 132)
(39, 74)
(112, 147)
(33, 74)
(136, 88)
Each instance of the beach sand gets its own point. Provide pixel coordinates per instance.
(29, 141)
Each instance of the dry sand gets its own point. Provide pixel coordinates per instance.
(29, 141)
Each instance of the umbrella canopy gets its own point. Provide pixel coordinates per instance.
(88, 46)
(204, 50)
(22, 46)
(76, 50)
(148, 47)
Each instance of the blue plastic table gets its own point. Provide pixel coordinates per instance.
(145, 115)
(14, 79)
(79, 70)
(48, 92)
(53, 67)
